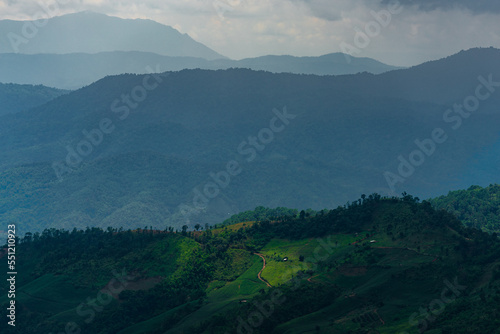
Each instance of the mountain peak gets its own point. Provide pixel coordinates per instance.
(92, 32)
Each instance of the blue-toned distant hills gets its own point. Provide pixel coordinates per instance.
(75, 50)
(91, 32)
(73, 71)
(346, 135)
(15, 98)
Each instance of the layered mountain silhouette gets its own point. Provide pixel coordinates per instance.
(75, 50)
(196, 145)
(91, 32)
(73, 71)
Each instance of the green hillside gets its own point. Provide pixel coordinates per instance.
(377, 265)
(476, 207)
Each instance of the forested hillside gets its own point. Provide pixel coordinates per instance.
(476, 207)
(15, 98)
(197, 146)
(378, 264)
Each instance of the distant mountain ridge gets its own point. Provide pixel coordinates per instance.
(91, 32)
(442, 80)
(346, 132)
(73, 71)
(329, 64)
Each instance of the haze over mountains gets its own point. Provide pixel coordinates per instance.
(91, 32)
(340, 138)
(135, 149)
(75, 50)
(73, 71)
(148, 184)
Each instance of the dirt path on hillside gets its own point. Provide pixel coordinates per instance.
(263, 267)
(310, 278)
(381, 320)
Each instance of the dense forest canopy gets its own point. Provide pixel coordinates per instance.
(476, 207)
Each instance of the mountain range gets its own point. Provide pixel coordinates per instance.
(148, 184)
(199, 145)
(73, 71)
(75, 50)
(91, 32)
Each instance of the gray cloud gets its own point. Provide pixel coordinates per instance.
(476, 6)
(321, 9)
(327, 9)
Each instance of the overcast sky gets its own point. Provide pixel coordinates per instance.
(419, 30)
